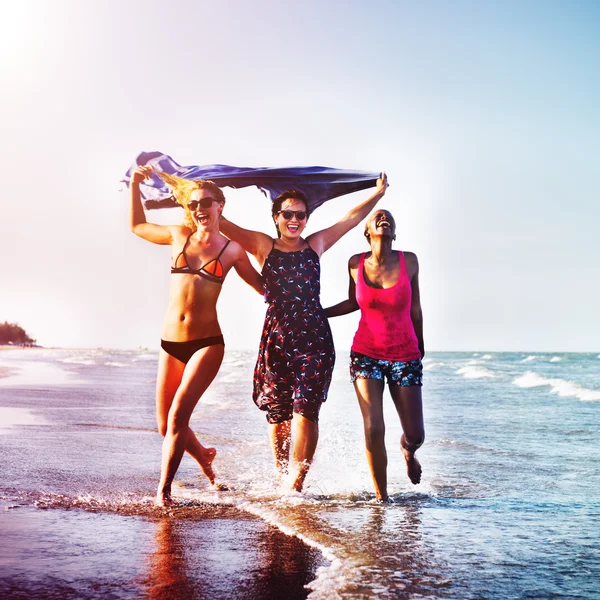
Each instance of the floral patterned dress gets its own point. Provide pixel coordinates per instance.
(296, 355)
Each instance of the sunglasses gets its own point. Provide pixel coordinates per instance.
(202, 203)
(288, 214)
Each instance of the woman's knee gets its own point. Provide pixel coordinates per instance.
(177, 421)
(162, 426)
(374, 434)
(413, 441)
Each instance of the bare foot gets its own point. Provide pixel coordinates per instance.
(386, 500)
(220, 487)
(163, 498)
(208, 455)
(413, 466)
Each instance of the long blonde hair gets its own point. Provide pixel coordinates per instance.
(182, 190)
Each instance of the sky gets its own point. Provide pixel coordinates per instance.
(485, 116)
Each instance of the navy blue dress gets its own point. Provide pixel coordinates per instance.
(296, 354)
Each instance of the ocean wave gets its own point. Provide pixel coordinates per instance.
(561, 387)
(529, 358)
(115, 364)
(556, 359)
(487, 357)
(142, 357)
(73, 360)
(475, 372)
(235, 363)
(431, 365)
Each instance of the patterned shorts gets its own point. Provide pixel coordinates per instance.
(397, 372)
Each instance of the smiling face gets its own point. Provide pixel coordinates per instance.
(205, 208)
(380, 223)
(294, 226)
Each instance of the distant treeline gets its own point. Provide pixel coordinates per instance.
(11, 333)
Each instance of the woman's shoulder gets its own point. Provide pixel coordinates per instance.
(230, 246)
(354, 260)
(179, 235)
(411, 260)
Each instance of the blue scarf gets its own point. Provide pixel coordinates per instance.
(318, 183)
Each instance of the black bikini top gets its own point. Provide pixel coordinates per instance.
(212, 270)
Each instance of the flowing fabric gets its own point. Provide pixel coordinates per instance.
(320, 184)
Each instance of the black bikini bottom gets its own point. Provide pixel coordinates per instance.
(183, 351)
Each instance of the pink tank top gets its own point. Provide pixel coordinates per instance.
(385, 330)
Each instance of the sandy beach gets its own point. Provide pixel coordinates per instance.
(80, 459)
(77, 515)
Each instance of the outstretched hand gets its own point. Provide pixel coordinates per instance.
(382, 183)
(141, 173)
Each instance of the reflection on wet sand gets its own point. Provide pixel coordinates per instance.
(167, 577)
(227, 557)
(392, 534)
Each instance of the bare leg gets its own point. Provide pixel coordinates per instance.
(170, 372)
(370, 398)
(280, 435)
(409, 406)
(197, 376)
(306, 436)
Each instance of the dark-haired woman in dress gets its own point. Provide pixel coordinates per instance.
(384, 284)
(296, 355)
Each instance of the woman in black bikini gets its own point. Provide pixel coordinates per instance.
(296, 355)
(192, 345)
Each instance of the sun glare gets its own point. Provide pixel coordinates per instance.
(20, 29)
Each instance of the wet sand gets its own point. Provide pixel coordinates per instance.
(7, 372)
(199, 552)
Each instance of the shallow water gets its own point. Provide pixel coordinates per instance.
(508, 508)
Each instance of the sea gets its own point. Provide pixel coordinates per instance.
(508, 507)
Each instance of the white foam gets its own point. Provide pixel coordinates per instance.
(330, 579)
(145, 357)
(34, 374)
(555, 359)
(486, 356)
(529, 358)
(229, 378)
(115, 364)
(78, 361)
(235, 363)
(12, 417)
(561, 387)
(432, 365)
(475, 372)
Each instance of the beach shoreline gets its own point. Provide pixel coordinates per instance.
(188, 552)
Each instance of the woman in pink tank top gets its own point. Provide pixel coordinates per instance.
(384, 285)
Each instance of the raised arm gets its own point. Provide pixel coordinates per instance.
(324, 239)
(350, 304)
(245, 270)
(254, 242)
(158, 234)
(416, 314)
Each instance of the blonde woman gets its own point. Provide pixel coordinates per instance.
(192, 344)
